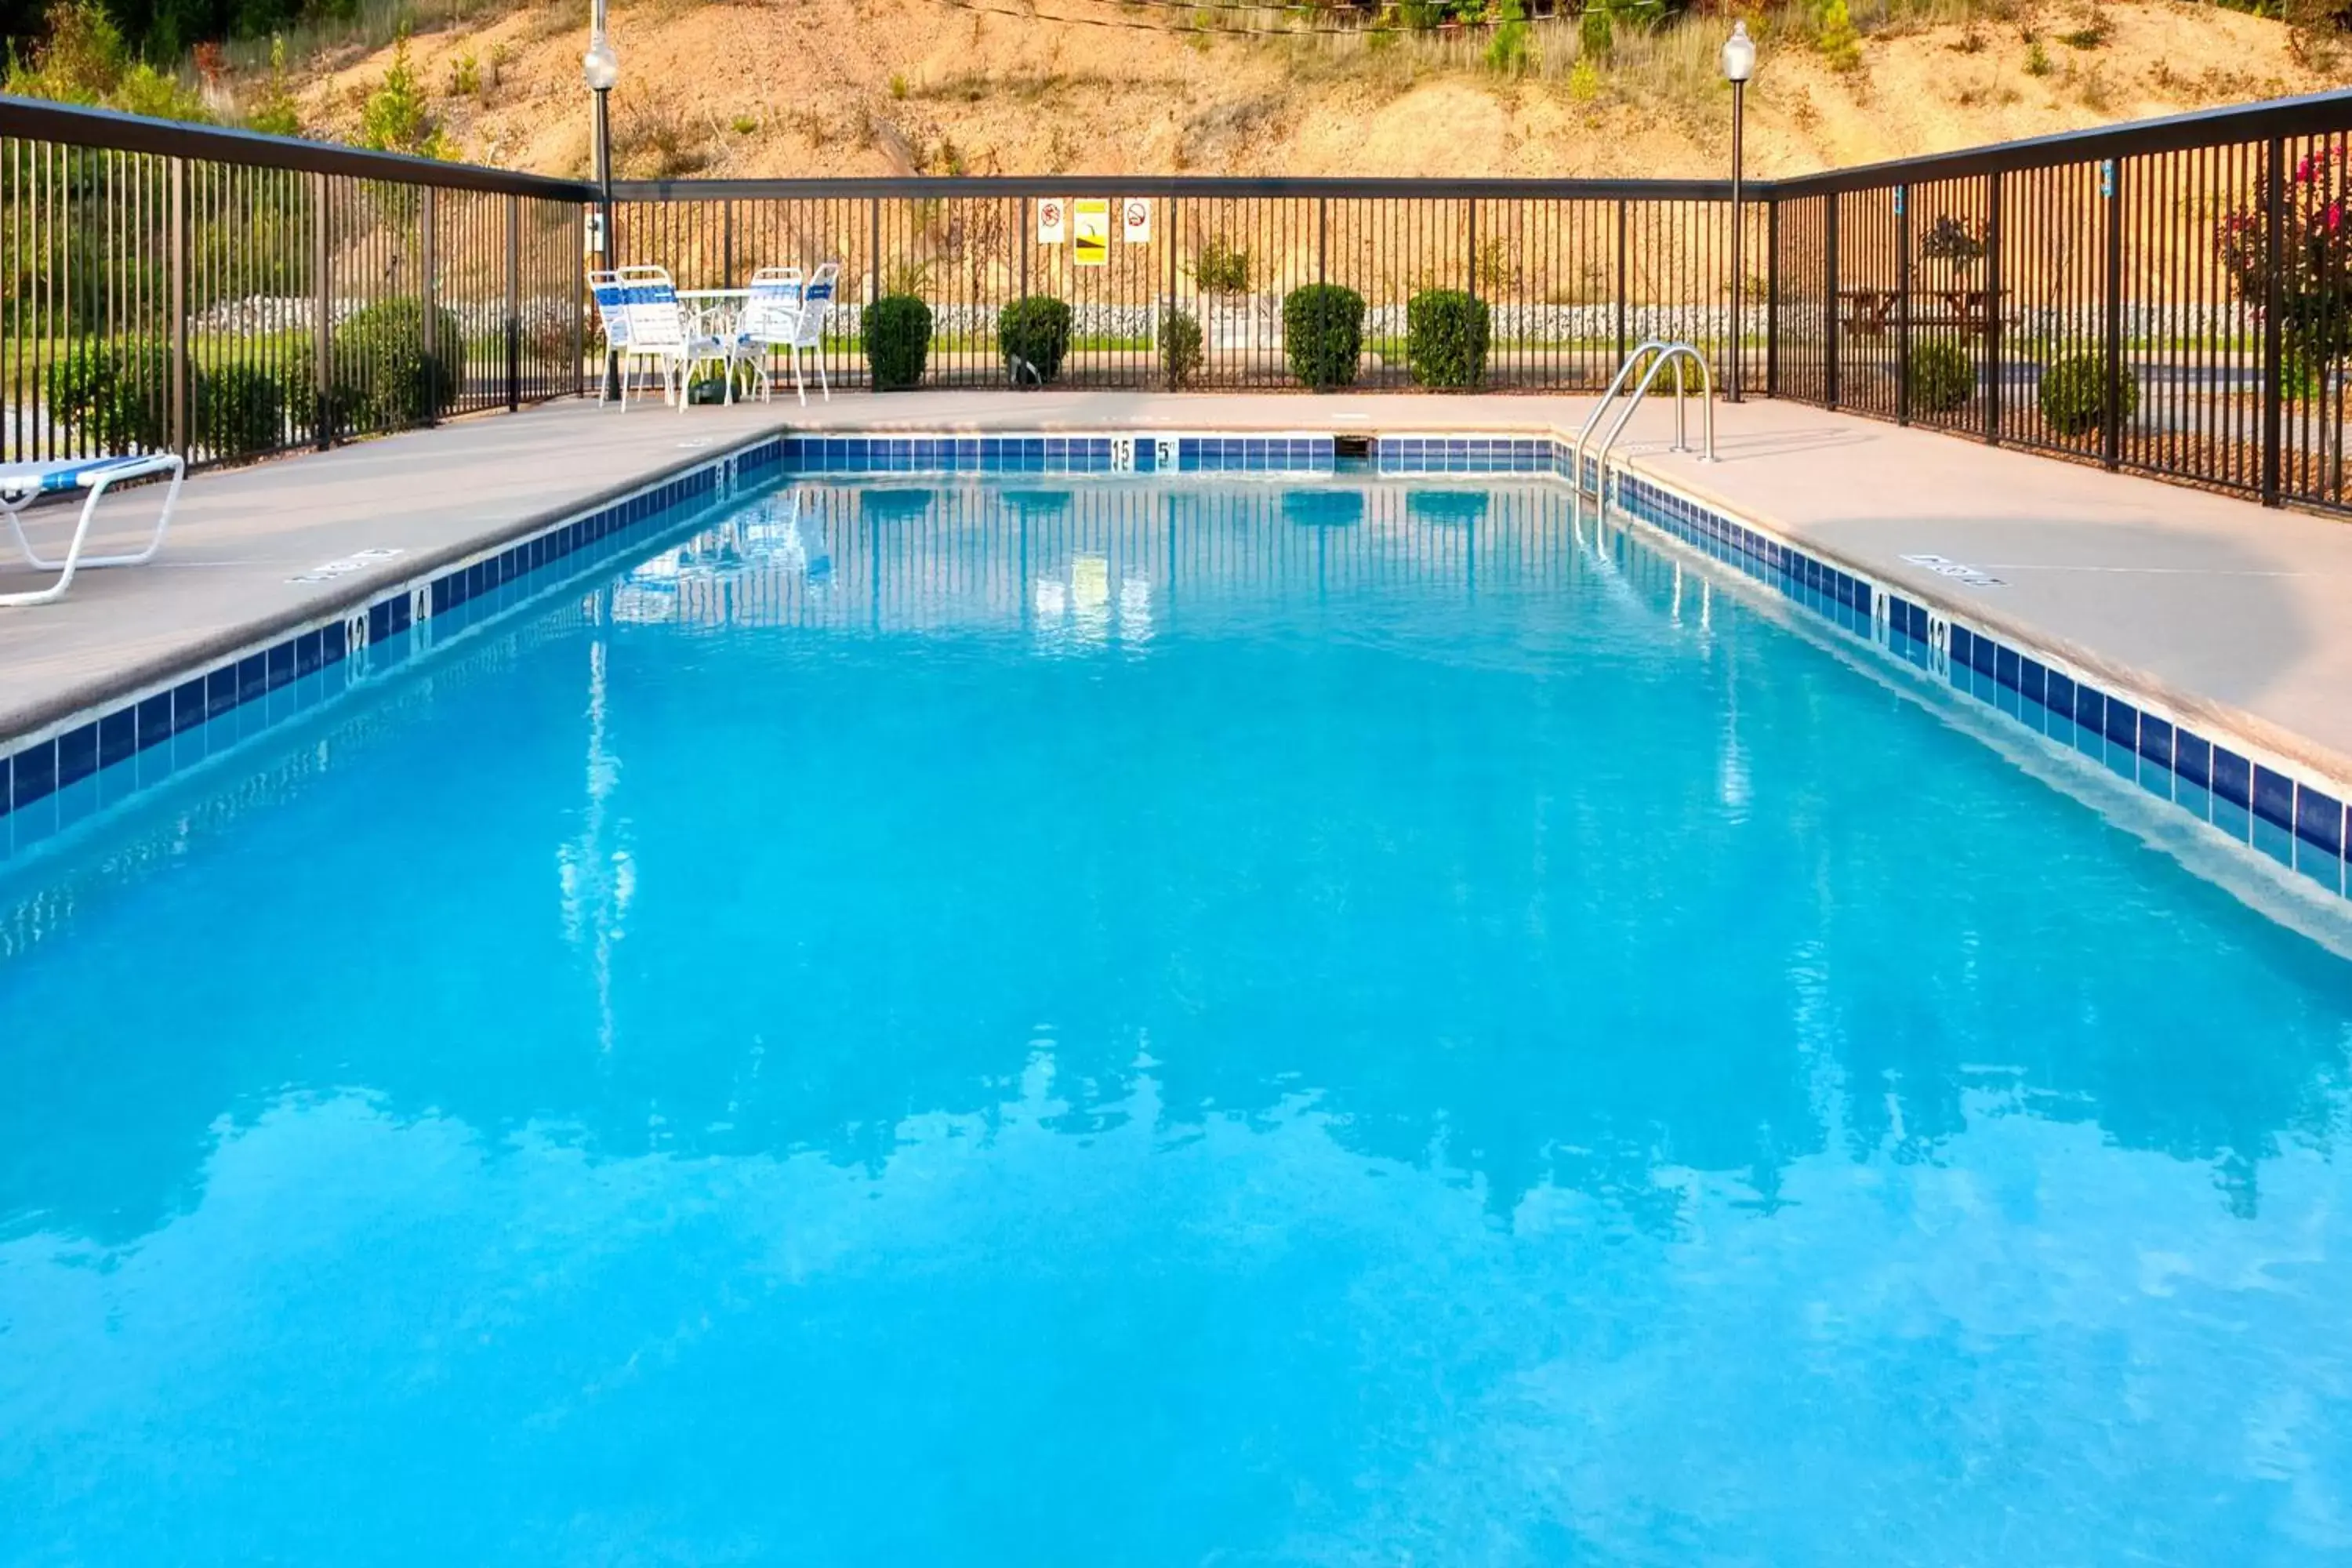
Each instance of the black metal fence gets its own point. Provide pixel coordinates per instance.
(2173, 298)
(228, 295)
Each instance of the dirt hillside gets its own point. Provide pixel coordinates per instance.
(859, 86)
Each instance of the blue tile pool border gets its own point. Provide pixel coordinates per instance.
(55, 776)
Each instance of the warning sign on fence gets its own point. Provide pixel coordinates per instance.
(1093, 216)
(1053, 218)
(1135, 220)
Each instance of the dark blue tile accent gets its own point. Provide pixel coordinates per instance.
(2233, 777)
(190, 705)
(330, 643)
(2091, 709)
(220, 691)
(1961, 644)
(34, 776)
(7, 786)
(2005, 668)
(1985, 653)
(2155, 740)
(2274, 797)
(252, 677)
(279, 665)
(380, 621)
(2192, 757)
(2319, 819)
(2060, 696)
(307, 655)
(155, 720)
(77, 754)
(2123, 722)
(2032, 679)
(118, 736)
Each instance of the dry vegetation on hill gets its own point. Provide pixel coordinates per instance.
(843, 87)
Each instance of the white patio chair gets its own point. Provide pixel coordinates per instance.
(660, 329)
(22, 484)
(784, 313)
(613, 314)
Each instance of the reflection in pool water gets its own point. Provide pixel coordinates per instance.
(1132, 1024)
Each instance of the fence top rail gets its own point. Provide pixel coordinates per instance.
(38, 120)
(2317, 113)
(1181, 186)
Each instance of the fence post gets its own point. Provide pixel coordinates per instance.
(1621, 344)
(322, 312)
(2274, 301)
(1474, 247)
(514, 302)
(176, 408)
(1771, 295)
(1830, 301)
(1323, 239)
(579, 230)
(1170, 309)
(1996, 373)
(2110, 422)
(428, 283)
(872, 250)
(1903, 304)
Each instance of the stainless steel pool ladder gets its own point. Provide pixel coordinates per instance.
(1663, 353)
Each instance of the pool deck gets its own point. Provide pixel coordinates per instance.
(2232, 614)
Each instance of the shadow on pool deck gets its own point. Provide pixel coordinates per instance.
(2231, 614)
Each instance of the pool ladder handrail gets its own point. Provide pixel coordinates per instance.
(1666, 352)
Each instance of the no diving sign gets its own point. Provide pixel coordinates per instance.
(1135, 220)
(1053, 220)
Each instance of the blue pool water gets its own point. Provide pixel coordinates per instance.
(1113, 1025)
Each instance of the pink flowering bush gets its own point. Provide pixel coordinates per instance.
(2314, 261)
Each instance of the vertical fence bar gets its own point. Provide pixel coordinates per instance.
(322, 310)
(178, 434)
(514, 302)
(2273, 376)
(429, 282)
(1772, 296)
(1830, 312)
(1903, 304)
(2111, 423)
(1623, 345)
(1996, 312)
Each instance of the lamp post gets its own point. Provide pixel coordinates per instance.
(1738, 65)
(601, 67)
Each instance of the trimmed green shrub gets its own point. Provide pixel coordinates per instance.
(897, 341)
(1445, 337)
(1180, 347)
(1035, 333)
(383, 379)
(1943, 377)
(112, 396)
(239, 411)
(2074, 395)
(1323, 334)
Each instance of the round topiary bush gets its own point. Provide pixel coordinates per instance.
(383, 379)
(2074, 396)
(1943, 377)
(1445, 337)
(1323, 334)
(239, 411)
(1035, 335)
(897, 341)
(112, 396)
(1180, 348)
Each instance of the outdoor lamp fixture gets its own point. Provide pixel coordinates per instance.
(600, 68)
(1738, 65)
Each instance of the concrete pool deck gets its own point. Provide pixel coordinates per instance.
(2232, 614)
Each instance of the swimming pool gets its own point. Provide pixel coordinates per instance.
(1062, 1020)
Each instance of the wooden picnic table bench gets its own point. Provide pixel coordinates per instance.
(1871, 312)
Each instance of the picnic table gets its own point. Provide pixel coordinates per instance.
(1871, 312)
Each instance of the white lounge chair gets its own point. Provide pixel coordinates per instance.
(613, 314)
(781, 312)
(656, 326)
(22, 484)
